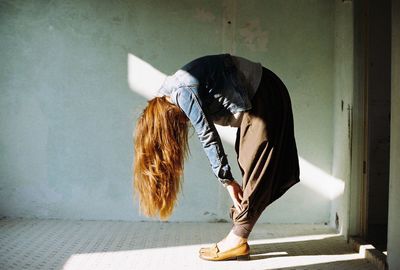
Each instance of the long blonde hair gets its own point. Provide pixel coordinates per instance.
(160, 148)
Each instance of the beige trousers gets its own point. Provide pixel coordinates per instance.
(266, 152)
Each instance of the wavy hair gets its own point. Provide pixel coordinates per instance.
(160, 148)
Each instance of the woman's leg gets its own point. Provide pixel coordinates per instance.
(266, 152)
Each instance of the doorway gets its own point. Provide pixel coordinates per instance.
(373, 42)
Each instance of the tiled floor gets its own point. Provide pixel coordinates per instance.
(60, 244)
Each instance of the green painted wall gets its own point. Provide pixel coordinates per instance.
(67, 112)
(342, 110)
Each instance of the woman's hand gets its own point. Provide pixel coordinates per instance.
(236, 193)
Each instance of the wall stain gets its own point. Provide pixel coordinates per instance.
(253, 36)
(204, 15)
(117, 20)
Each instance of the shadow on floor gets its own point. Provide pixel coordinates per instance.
(355, 264)
(333, 245)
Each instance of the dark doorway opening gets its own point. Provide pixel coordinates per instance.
(373, 42)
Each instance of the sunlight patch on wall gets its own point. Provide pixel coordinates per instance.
(320, 181)
(227, 134)
(143, 78)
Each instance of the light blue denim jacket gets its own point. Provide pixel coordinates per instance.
(208, 89)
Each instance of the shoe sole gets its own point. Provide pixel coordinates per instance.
(243, 257)
(239, 258)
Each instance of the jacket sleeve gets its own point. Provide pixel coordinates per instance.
(206, 132)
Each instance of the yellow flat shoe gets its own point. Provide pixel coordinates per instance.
(240, 252)
(207, 249)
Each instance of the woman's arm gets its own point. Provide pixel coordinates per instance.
(211, 142)
(206, 132)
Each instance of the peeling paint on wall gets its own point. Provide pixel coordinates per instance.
(253, 36)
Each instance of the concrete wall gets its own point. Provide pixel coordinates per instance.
(342, 110)
(67, 112)
(394, 188)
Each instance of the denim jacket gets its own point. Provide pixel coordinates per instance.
(208, 89)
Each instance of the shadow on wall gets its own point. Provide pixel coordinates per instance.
(145, 80)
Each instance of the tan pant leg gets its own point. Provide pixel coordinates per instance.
(267, 153)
